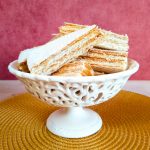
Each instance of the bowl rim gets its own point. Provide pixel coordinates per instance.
(133, 66)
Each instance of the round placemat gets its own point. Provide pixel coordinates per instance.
(126, 125)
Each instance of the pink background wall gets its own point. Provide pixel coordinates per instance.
(28, 23)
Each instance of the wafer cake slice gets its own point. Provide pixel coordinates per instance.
(108, 61)
(75, 68)
(109, 40)
(48, 58)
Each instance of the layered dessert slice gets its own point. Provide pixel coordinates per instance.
(50, 57)
(109, 40)
(75, 68)
(108, 61)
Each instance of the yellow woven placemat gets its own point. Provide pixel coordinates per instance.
(126, 125)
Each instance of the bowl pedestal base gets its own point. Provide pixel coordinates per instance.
(74, 122)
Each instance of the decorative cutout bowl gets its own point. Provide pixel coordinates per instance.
(74, 93)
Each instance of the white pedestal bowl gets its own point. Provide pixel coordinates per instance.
(74, 93)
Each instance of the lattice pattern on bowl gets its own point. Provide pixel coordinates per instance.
(75, 91)
(74, 94)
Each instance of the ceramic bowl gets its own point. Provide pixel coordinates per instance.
(74, 93)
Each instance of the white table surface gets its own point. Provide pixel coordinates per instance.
(13, 87)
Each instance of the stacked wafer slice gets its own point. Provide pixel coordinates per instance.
(50, 57)
(75, 68)
(107, 61)
(109, 40)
